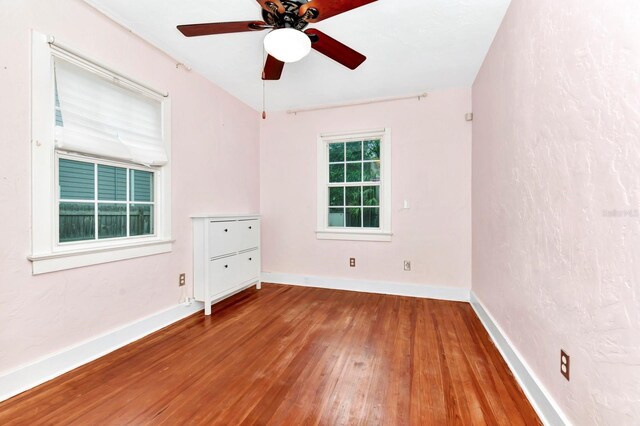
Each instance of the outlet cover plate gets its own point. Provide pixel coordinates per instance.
(565, 362)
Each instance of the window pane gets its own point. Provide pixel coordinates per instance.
(141, 186)
(140, 219)
(354, 151)
(371, 150)
(112, 220)
(112, 183)
(59, 121)
(76, 180)
(336, 196)
(77, 222)
(371, 172)
(354, 172)
(336, 152)
(336, 173)
(371, 217)
(353, 195)
(336, 217)
(371, 196)
(354, 217)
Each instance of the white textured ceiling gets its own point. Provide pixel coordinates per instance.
(412, 46)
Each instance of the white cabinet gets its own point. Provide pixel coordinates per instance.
(226, 256)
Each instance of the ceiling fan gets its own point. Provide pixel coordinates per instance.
(289, 41)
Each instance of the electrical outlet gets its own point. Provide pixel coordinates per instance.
(565, 361)
(182, 280)
(407, 265)
(352, 262)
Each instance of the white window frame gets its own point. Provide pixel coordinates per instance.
(323, 231)
(47, 255)
(96, 242)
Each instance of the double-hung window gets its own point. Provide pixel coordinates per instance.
(100, 162)
(354, 186)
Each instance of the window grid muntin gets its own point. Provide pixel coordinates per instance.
(361, 183)
(95, 162)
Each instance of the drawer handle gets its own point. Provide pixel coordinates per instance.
(249, 227)
(226, 266)
(226, 230)
(249, 258)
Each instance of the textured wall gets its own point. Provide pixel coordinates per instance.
(556, 180)
(215, 169)
(431, 159)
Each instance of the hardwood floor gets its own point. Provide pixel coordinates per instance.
(291, 356)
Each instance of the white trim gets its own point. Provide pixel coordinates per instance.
(42, 264)
(323, 231)
(354, 235)
(28, 376)
(540, 398)
(367, 286)
(42, 146)
(44, 244)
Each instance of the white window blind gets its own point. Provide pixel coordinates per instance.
(102, 118)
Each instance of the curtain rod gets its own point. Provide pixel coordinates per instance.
(372, 101)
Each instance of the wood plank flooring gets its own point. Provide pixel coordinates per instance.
(293, 356)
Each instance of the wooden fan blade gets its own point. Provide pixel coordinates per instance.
(272, 69)
(194, 30)
(334, 49)
(328, 8)
(265, 5)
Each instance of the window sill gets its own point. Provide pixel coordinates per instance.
(354, 235)
(42, 264)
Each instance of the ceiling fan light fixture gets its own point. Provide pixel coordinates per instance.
(287, 44)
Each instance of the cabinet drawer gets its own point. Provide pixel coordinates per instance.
(223, 238)
(249, 266)
(249, 233)
(224, 274)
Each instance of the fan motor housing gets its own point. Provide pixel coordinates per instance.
(290, 18)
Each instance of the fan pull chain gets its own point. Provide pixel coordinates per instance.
(264, 113)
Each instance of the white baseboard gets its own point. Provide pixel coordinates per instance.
(381, 287)
(548, 410)
(36, 373)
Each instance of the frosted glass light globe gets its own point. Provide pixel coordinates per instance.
(287, 44)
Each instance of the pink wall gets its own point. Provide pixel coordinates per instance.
(215, 169)
(431, 169)
(555, 154)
